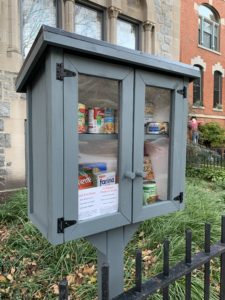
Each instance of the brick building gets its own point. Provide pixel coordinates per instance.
(203, 45)
(151, 26)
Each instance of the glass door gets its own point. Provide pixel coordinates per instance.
(155, 131)
(98, 156)
(98, 114)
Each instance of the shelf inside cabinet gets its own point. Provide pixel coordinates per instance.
(97, 136)
(155, 136)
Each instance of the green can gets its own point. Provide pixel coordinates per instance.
(149, 192)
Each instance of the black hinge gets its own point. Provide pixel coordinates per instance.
(179, 198)
(61, 72)
(62, 224)
(183, 92)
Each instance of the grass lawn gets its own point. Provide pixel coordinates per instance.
(30, 268)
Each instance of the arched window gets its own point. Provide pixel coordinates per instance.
(208, 28)
(34, 13)
(217, 95)
(198, 89)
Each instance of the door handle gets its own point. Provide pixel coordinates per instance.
(129, 175)
(140, 174)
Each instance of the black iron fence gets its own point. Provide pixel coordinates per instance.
(162, 281)
(199, 156)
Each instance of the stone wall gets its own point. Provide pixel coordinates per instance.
(12, 114)
(167, 17)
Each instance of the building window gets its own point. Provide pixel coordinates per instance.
(127, 34)
(88, 21)
(208, 28)
(198, 89)
(34, 13)
(217, 96)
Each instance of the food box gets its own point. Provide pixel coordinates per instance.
(93, 167)
(104, 178)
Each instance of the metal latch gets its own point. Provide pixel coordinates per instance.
(179, 198)
(61, 72)
(62, 224)
(183, 92)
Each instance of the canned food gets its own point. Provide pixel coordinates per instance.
(116, 122)
(96, 120)
(82, 118)
(109, 112)
(109, 120)
(149, 112)
(157, 127)
(148, 170)
(149, 192)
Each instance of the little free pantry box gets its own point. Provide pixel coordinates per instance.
(105, 134)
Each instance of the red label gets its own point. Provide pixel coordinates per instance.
(84, 181)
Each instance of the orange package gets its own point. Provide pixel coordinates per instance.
(84, 181)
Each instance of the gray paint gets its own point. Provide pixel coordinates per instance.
(125, 76)
(38, 136)
(55, 134)
(99, 49)
(52, 141)
(177, 137)
(110, 246)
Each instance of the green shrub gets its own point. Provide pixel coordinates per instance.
(209, 174)
(212, 135)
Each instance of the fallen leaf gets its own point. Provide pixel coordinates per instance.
(55, 289)
(89, 270)
(4, 234)
(9, 277)
(71, 279)
(92, 279)
(31, 268)
(12, 271)
(3, 278)
(38, 295)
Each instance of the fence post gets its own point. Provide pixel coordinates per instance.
(222, 262)
(166, 267)
(138, 275)
(105, 282)
(63, 290)
(207, 265)
(188, 262)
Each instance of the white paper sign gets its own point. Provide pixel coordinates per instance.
(98, 201)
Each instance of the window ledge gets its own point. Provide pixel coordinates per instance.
(210, 50)
(217, 109)
(198, 107)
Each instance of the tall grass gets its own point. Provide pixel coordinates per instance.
(36, 266)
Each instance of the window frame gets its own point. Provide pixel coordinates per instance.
(200, 82)
(218, 101)
(213, 26)
(58, 22)
(98, 8)
(136, 23)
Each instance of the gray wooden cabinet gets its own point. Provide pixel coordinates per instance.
(102, 122)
